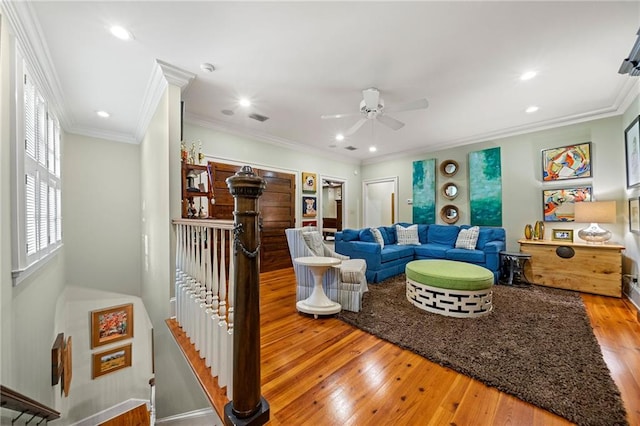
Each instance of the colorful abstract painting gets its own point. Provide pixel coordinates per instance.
(559, 203)
(424, 191)
(567, 162)
(485, 187)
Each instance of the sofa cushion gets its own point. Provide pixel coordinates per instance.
(431, 251)
(313, 240)
(377, 236)
(394, 251)
(422, 233)
(407, 236)
(465, 255)
(467, 238)
(366, 235)
(443, 234)
(389, 234)
(350, 234)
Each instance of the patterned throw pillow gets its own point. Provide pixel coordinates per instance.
(407, 236)
(467, 238)
(377, 235)
(314, 242)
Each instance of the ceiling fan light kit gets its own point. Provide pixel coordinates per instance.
(372, 107)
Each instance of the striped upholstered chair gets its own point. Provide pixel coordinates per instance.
(344, 283)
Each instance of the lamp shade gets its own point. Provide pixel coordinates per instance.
(595, 212)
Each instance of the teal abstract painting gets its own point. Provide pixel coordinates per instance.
(424, 191)
(485, 187)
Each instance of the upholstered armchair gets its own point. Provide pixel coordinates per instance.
(344, 283)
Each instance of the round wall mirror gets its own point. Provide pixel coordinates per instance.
(449, 214)
(450, 190)
(449, 168)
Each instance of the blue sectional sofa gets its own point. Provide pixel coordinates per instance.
(435, 242)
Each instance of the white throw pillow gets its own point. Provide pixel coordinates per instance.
(377, 235)
(468, 238)
(407, 236)
(314, 242)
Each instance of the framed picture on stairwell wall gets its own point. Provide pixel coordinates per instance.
(111, 325)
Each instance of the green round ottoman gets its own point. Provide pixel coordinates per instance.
(447, 287)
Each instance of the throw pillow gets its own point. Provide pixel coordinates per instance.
(467, 238)
(377, 235)
(314, 242)
(407, 236)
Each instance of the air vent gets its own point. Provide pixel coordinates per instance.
(350, 148)
(258, 117)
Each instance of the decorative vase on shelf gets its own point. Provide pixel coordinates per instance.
(538, 231)
(528, 231)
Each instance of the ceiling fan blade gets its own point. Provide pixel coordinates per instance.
(371, 98)
(390, 121)
(417, 104)
(349, 114)
(355, 127)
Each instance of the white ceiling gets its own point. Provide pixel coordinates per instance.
(300, 60)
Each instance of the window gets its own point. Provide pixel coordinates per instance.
(38, 191)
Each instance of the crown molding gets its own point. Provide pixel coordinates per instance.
(176, 76)
(104, 134)
(220, 126)
(34, 48)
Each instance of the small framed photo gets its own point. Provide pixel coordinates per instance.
(558, 204)
(111, 325)
(632, 152)
(562, 235)
(111, 360)
(309, 207)
(566, 162)
(634, 215)
(308, 182)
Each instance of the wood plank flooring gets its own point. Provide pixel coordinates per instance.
(324, 372)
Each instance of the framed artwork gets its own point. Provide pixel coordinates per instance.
(634, 215)
(566, 162)
(562, 235)
(111, 360)
(309, 223)
(632, 152)
(67, 369)
(308, 182)
(558, 204)
(424, 191)
(111, 325)
(309, 207)
(485, 187)
(56, 359)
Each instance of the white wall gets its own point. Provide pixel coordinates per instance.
(224, 147)
(102, 216)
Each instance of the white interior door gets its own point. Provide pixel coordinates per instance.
(380, 202)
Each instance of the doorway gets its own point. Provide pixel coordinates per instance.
(332, 207)
(380, 203)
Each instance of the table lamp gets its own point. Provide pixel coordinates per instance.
(594, 212)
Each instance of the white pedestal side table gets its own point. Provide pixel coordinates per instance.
(318, 303)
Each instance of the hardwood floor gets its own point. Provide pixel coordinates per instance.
(325, 372)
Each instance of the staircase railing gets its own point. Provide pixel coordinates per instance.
(204, 292)
(26, 406)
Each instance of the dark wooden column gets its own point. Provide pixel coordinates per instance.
(247, 407)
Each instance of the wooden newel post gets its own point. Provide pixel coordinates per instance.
(247, 407)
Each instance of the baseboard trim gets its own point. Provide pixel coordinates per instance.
(204, 412)
(111, 412)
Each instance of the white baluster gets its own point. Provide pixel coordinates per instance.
(215, 308)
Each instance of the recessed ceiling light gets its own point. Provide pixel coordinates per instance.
(531, 109)
(528, 75)
(121, 32)
(245, 102)
(103, 114)
(372, 149)
(339, 137)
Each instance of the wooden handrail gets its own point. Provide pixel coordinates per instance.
(15, 401)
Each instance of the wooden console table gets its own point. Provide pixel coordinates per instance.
(588, 268)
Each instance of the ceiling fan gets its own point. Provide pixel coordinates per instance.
(372, 107)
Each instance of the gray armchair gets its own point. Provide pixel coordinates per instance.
(345, 283)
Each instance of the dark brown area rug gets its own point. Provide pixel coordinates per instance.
(537, 345)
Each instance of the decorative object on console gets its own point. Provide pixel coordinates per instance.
(632, 152)
(634, 215)
(424, 191)
(567, 162)
(528, 231)
(485, 187)
(558, 204)
(594, 212)
(538, 230)
(562, 235)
